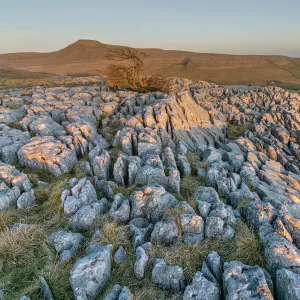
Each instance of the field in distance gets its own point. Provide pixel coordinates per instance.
(88, 57)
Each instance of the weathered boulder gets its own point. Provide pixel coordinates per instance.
(140, 262)
(90, 273)
(47, 154)
(81, 194)
(214, 264)
(207, 194)
(278, 252)
(245, 282)
(45, 289)
(192, 227)
(66, 243)
(151, 202)
(100, 162)
(15, 188)
(165, 232)
(83, 219)
(168, 277)
(257, 213)
(201, 289)
(139, 228)
(120, 256)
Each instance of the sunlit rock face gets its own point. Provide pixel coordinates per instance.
(47, 154)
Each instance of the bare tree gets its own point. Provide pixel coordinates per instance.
(131, 72)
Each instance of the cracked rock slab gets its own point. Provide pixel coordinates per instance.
(47, 154)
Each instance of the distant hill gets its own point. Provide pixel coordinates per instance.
(88, 57)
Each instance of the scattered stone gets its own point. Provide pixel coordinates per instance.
(66, 244)
(202, 289)
(140, 263)
(168, 277)
(45, 290)
(165, 232)
(244, 282)
(90, 273)
(120, 256)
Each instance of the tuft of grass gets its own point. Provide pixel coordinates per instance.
(58, 280)
(14, 106)
(78, 172)
(125, 190)
(188, 187)
(250, 186)
(245, 246)
(50, 191)
(5, 219)
(113, 233)
(236, 131)
(193, 158)
(167, 172)
(15, 125)
(242, 203)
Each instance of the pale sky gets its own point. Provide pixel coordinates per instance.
(215, 26)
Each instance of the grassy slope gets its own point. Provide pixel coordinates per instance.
(89, 57)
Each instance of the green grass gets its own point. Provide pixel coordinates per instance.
(188, 186)
(193, 158)
(235, 131)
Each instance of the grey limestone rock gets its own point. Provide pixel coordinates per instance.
(202, 289)
(245, 282)
(165, 232)
(287, 285)
(90, 273)
(168, 277)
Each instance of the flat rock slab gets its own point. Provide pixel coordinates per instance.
(47, 154)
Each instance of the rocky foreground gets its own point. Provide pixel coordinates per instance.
(129, 159)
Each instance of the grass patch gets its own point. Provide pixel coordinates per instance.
(5, 219)
(193, 158)
(50, 191)
(188, 187)
(16, 125)
(244, 202)
(126, 191)
(235, 131)
(14, 106)
(24, 252)
(250, 186)
(58, 280)
(78, 171)
(245, 246)
(113, 233)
